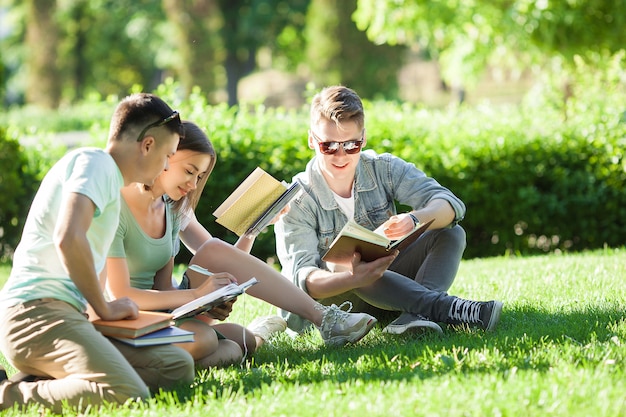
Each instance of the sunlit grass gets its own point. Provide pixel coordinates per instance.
(559, 350)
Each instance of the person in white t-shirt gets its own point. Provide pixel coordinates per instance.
(44, 331)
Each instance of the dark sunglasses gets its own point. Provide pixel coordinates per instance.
(174, 116)
(328, 148)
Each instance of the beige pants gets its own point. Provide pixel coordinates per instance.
(50, 338)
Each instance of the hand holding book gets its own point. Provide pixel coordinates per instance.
(370, 244)
(397, 226)
(220, 312)
(213, 299)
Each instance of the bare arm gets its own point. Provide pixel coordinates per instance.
(118, 283)
(70, 238)
(401, 224)
(163, 277)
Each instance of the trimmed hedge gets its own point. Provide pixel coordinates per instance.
(532, 181)
(22, 169)
(17, 182)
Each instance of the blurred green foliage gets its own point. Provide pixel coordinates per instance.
(22, 171)
(467, 37)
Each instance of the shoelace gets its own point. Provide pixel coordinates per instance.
(335, 312)
(465, 311)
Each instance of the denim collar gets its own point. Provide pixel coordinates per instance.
(364, 181)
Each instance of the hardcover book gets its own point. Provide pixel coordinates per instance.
(147, 322)
(164, 336)
(255, 203)
(370, 244)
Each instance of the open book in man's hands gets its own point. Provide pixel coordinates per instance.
(209, 301)
(255, 203)
(370, 244)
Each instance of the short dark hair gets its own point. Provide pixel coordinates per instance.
(135, 112)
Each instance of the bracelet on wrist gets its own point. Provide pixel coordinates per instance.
(415, 219)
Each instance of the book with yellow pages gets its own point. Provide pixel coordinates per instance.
(370, 244)
(146, 322)
(254, 203)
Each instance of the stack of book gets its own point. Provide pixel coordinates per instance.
(150, 328)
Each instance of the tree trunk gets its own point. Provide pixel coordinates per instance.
(195, 36)
(236, 69)
(81, 65)
(240, 52)
(43, 76)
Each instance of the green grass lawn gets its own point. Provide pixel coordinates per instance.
(560, 350)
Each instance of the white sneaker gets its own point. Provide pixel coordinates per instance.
(266, 327)
(413, 322)
(340, 327)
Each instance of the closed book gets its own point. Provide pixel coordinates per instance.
(146, 322)
(164, 336)
(254, 203)
(370, 244)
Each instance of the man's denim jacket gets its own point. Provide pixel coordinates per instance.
(304, 234)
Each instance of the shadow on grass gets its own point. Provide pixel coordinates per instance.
(526, 339)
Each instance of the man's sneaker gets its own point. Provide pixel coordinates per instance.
(340, 327)
(484, 314)
(413, 322)
(266, 327)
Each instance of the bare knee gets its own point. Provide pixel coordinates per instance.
(205, 340)
(240, 335)
(213, 249)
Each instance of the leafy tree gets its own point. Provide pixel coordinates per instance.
(112, 45)
(339, 53)
(77, 47)
(468, 36)
(250, 24)
(194, 41)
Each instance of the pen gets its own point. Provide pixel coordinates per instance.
(200, 270)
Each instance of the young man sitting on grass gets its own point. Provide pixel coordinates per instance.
(343, 183)
(44, 331)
